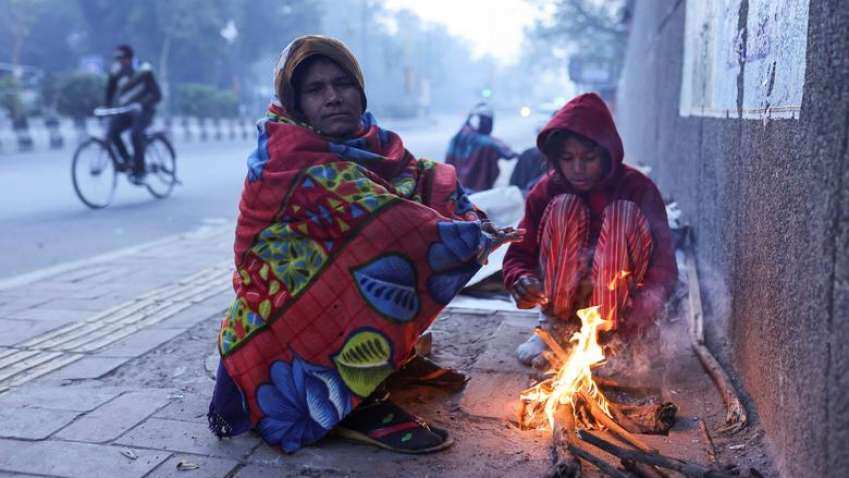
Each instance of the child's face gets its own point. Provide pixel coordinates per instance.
(581, 165)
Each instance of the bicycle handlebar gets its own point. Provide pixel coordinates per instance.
(103, 111)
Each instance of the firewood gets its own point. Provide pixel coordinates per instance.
(602, 465)
(653, 458)
(552, 359)
(642, 470)
(566, 465)
(608, 383)
(602, 418)
(711, 447)
(552, 343)
(735, 413)
(654, 419)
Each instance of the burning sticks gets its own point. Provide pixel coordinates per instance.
(566, 465)
(555, 347)
(571, 400)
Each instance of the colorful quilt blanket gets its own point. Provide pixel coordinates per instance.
(345, 253)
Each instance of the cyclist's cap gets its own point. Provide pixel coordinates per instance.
(301, 49)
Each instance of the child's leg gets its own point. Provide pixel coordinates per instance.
(621, 257)
(563, 243)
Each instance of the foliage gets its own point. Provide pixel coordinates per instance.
(409, 63)
(205, 101)
(596, 26)
(10, 97)
(183, 39)
(79, 94)
(40, 32)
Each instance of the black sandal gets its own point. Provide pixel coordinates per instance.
(388, 426)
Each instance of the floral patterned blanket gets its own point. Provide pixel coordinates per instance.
(345, 253)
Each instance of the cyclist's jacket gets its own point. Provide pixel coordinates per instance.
(129, 85)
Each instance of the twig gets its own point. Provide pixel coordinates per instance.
(656, 418)
(642, 470)
(552, 359)
(611, 384)
(599, 415)
(552, 344)
(688, 469)
(735, 413)
(598, 462)
(520, 414)
(711, 447)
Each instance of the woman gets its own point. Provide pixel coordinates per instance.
(346, 249)
(596, 231)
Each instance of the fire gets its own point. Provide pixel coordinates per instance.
(622, 275)
(575, 374)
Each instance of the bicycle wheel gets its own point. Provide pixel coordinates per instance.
(160, 166)
(93, 174)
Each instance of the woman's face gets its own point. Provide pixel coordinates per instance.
(330, 100)
(581, 165)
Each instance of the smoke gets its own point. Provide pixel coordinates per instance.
(651, 356)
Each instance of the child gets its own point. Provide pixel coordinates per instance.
(596, 231)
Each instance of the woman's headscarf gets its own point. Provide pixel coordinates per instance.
(303, 48)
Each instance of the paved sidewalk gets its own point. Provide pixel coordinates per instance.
(106, 370)
(67, 326)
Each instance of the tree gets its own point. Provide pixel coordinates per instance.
(80, 94)
(10, 98)
(596, 26)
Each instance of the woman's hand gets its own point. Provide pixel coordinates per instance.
(502, 235)
(499, 237)
(528, 292)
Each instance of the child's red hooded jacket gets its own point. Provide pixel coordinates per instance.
(588, 116)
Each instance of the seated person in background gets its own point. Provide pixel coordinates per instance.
(347, 247)
(596, 232)
(474, 152)
(530, 167)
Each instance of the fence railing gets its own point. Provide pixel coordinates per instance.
(65, 133)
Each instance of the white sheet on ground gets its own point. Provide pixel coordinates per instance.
(505, 207)
(467, 302)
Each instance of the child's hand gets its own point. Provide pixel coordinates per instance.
(528, 292)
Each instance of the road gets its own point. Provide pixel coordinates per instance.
(44, 224)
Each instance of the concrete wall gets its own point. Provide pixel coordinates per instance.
(770, 207)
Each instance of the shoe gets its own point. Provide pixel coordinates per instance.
(137, 178)
(530, 350)
(388, 426)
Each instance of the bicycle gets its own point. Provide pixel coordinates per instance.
(96, 165)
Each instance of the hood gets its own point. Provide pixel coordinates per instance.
(588, 116)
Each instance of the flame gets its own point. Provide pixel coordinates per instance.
(575, 375)
(620, 276)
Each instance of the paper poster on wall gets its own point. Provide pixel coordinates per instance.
(772, 62)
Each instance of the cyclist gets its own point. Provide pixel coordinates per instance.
(136, 87)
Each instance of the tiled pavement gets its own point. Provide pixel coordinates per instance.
(66, 327)
(81, 321)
